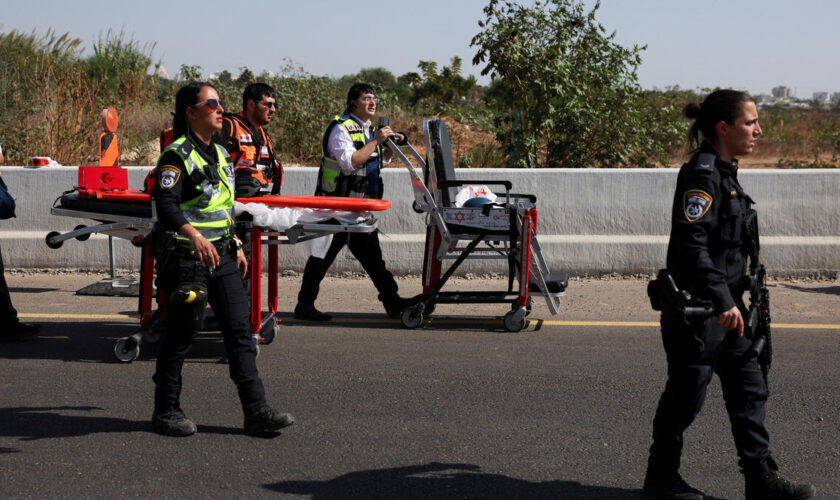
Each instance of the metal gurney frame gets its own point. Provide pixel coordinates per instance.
(135, 228)
(504, 230)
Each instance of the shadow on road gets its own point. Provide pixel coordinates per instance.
(829, 290)
(33, 423)
(440, 480)
(94, 343)
(365, 321)
(21, 289)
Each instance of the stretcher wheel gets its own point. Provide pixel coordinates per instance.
(51, 235)
(82, 237)
(416, 207)
(126, 350)
(152, 338)
(411, 318)
(268, 332)
(514, 321)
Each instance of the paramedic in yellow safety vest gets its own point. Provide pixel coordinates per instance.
(199, 261)
(351, 158)
(256, 168)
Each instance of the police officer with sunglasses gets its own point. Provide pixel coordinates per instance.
(199, 261)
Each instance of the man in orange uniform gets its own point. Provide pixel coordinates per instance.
(258, 172)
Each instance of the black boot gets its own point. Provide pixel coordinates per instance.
(266, 421)
(309, 313)
(767, 484)
(395, 305)
(173, 423)
(670, 487)
(19, 331)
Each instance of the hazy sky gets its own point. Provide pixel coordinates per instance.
(746, 44)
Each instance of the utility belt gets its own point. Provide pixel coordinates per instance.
(679, 308)
(164, 243)
(666, 296)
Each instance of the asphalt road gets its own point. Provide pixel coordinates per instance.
(459, 408)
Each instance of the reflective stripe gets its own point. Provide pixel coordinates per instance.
(211, 211)
(330, 173)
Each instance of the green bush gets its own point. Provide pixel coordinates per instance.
(563, 94)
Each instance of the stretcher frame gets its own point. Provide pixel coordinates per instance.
(136, 229)
(486, 237)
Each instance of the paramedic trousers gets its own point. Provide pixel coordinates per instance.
(363, 246)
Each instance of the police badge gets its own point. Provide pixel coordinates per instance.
(168, 176)
(695, 204)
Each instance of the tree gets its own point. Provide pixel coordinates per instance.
(567, 93)
(190, 73)
(245, 77)
(441, 89)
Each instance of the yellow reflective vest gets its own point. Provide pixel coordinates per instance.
(211, 210)
(331, 180)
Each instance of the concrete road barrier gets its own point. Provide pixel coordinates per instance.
(591, 221)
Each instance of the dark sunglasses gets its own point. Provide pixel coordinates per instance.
(211, 103)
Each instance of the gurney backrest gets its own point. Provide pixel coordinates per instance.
(439, 160)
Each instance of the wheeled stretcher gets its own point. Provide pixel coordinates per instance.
(505, 230)
(130, 215)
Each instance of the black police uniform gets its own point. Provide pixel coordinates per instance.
(176, 263)
(707, 257)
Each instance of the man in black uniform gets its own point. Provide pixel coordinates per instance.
(10, 327)
(707, 258)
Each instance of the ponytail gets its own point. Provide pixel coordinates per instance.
(720, 105)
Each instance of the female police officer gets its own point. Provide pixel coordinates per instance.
(707, 257)
(197, 260)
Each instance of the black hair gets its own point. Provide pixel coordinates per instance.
(255, 92)
(357, 90)
(186, 97)
(719, 106)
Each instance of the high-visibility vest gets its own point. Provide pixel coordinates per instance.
(211, 209)
(331, 180)
(252, 156)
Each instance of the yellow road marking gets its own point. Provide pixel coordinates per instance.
(444, 319)
(599, 323)
(75, 316)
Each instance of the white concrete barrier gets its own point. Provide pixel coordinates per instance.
(591, 221)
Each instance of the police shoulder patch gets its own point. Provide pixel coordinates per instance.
(696, 204)
(168, 176)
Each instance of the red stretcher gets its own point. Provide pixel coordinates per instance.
(128, 214)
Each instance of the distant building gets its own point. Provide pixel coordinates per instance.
(161, 73)
(821, 98)
(782, 92)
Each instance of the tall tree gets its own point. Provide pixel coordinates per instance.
(568, 94)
